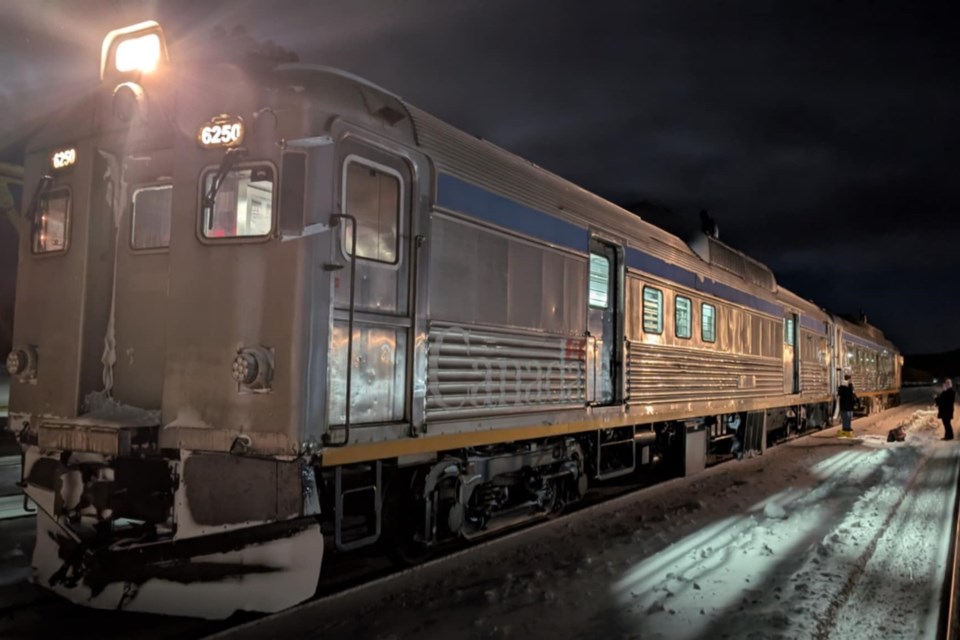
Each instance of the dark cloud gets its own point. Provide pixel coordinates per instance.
(819, 134)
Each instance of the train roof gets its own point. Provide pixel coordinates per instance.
(863, 329)
(483, 164)
(808, 307)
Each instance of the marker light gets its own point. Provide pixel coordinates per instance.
(138, 54)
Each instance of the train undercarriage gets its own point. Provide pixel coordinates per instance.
(205, 534)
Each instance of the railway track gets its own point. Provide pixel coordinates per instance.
(841, 602)
(347, 578)
(949, 625)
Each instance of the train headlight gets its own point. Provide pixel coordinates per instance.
(22, 363)
(138, 54)
(252, 369)
(139, 48)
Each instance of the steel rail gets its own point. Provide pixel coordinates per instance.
(949, 625)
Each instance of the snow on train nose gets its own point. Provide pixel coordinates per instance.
(104, 538)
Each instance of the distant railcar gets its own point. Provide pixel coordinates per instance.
(215, 259)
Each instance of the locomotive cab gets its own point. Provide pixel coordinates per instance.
(157, 344)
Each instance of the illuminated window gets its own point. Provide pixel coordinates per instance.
(788, 330)
(682, 321)
(652, 310)
(372, 194)
(599, 281)
(243, 206)
(150, 217)
(50, 230)
(708, 323)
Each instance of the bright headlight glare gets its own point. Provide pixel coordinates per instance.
(138, 54)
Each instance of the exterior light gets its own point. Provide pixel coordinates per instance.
(138, 54)
(252, 369)
(22, 363)
(245, 369)
(136, 49)
(16, 362)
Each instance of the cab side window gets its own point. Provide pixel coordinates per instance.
(52, 220)
(244, 203)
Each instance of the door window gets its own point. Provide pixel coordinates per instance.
(599, 281)
(372, 195)
(150, 217)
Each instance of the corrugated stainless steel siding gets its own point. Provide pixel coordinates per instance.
(813, 379)
(658, 374)
(814, 363)
(486, 372)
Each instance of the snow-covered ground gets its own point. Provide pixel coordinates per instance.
(819, 538)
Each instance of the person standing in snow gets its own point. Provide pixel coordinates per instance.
(945, 408)
(847, 401)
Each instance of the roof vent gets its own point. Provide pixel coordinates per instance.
(729, 259)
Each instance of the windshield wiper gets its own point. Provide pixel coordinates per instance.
(42, 187)
(230, 158)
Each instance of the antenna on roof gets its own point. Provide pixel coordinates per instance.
(709, 225)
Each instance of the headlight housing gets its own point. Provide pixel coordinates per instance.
(137, 49)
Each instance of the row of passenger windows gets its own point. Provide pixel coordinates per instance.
(373, 194)
(682, 316)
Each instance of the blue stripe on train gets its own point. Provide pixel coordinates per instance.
(663, 269)
(458, 195)
(813, 324)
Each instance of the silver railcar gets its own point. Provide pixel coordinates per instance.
(258, 310)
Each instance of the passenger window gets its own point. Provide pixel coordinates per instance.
(244, 204)
(682, 321)
(708, 322)
(652, 310)
(50, 231)
(599, 281)
(150, 217)
(372, 195)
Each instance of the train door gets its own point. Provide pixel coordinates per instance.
(604, 324)
(373, 242)
(139, 298)
(791, 360)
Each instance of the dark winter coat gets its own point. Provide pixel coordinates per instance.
(945, 403)
(847, 399)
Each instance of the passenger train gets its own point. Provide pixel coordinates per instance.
(214, 259)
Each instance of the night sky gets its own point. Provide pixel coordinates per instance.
(820, 135)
